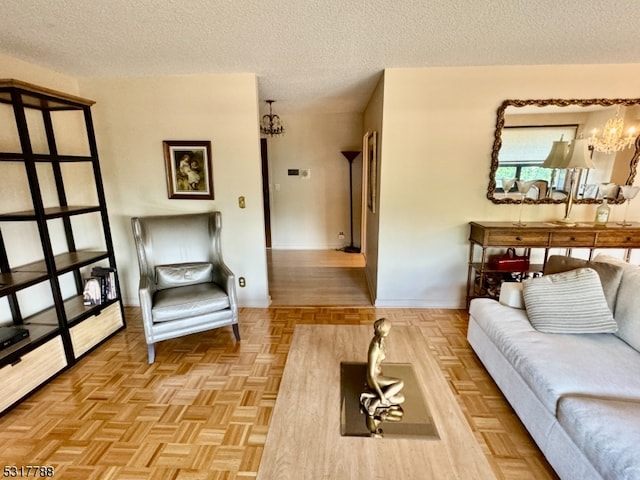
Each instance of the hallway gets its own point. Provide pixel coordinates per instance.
(317, 278)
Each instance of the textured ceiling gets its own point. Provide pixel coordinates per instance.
(327, 54)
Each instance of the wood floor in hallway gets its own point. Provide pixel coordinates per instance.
(317, 278)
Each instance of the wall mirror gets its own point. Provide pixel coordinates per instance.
(524, 135)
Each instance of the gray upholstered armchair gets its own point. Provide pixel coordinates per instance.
(185, 287)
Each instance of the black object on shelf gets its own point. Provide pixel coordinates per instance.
(11, 335)
(351, 155)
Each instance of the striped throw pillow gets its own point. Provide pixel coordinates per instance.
(568, 302)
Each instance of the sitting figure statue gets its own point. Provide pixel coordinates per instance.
(382, 392)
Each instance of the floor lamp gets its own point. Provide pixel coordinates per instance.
(351, 155)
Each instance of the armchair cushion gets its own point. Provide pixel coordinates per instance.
(188, 301)
(183, 274)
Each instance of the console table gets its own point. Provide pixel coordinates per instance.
(544, 235)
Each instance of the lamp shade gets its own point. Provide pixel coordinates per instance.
(557, 155)
(579, 155)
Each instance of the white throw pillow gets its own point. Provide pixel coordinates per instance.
(511, 295)
(568, 302)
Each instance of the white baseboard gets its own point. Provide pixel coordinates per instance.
(419, 303)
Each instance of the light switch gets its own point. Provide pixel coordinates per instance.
(241, 202)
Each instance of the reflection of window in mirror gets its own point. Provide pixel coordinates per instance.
(524, 150)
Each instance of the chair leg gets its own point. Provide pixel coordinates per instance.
(236, 331)
(152, 352)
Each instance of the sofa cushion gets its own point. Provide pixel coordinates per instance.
(627, 311)
(183, 274)
(190, 301)
(610, 274)
(554, 366)
(606, 430)
(568, 302)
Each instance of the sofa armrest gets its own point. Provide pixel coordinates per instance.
(511, 295)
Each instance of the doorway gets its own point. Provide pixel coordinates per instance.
(311, 277)
(264, 154)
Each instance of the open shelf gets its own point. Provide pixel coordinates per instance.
(38, 334)
(65, 262)
(49, 213)
(533, 268)
(75, 311)
(16, 280)
(43, 157)
(41, 98)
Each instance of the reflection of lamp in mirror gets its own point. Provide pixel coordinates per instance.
(629, 193)
(555, 160)
(611, 139)
(507, 185)
(578, 159)
(523, 188)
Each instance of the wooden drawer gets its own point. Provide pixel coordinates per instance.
(619, 239)
(34, 368)
(573, 239)
(524, 239)
(94, 329)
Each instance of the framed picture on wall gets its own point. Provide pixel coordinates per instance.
(188, 165)
(370, 150)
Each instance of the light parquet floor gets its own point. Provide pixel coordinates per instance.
(202, 410)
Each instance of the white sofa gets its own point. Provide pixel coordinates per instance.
(578, 394)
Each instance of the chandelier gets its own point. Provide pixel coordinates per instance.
(271, 124)
(611, 139)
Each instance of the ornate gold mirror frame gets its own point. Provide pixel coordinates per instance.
(497, 144)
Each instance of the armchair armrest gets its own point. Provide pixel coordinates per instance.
(223, 276)
(146, 290)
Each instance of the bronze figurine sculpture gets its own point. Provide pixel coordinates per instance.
(382, 397)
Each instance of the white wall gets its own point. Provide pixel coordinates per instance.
(373, 123)
(13, 68)
(133, 116)
(438, 132)
(309, 213)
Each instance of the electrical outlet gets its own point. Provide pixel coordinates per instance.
(341, 236)
(242, 282)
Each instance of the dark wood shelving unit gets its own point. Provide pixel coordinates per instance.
(64, 328)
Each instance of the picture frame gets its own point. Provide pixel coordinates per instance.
(188, 169)
(370, 149)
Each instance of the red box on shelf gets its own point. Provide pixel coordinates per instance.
(509, 262)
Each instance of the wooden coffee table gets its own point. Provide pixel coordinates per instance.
(304, 440)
